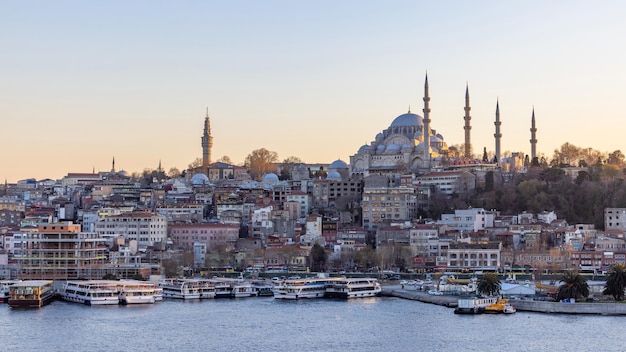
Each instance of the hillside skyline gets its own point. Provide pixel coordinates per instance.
(86, 82)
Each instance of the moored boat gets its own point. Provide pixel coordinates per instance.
(180, 288)
(91, 292)
(136, 292)
(31, 294)
(353, 288)
(296, 289)
(5, 285)
(474, 305)
(501, 306)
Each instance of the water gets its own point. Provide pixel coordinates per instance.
(265, 324)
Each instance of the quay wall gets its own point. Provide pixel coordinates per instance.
(599, 308)
(570, 308)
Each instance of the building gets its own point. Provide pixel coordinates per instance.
(615, 219)
(468, 220)
(211, 235)
(145, 228)
(383, 203)
(60, 251)
(474, 255)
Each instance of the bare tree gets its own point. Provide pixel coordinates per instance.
(260, 162)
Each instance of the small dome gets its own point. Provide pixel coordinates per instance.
(364, 148)
(439, 136)
(435, 139)
(338, 164)
(381, 148)
(407, 146)
(270, 177)
(407, 119)
(379, 136)
(393, 147)
(300, 167)
(333, 175)
(199, 180)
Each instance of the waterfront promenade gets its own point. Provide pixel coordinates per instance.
(598, 308)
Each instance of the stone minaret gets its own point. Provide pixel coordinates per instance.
(533, 139)
(467, 118)
(498, 135)
(207, 141)
(426, 125)
(113, 166)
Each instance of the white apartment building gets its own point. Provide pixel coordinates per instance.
(468, 220)
(145, 228)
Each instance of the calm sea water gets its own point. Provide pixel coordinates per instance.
(265, 324)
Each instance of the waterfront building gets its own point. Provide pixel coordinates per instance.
(60, 251)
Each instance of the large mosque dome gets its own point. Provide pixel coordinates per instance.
(200, 180)
(408, 120)
(338, 164)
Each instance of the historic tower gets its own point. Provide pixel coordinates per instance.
(467, 118)
(426, 120)
(207, 142)
(498, 135)
(533, 139)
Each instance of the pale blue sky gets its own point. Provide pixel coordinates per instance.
(83, 81)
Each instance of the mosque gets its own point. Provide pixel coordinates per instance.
(410, 144)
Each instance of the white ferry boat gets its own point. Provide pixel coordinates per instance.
(180, 288)
(242, 289)
(295, 289)
(5, 285)
(91, 292)
(136, 292)
(31, 294)
(474, 305)
(353, 288)
(222, 289)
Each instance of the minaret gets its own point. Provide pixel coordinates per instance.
(207, 141)
(498, 135)
(426, 120)
(467, 118)
(533, 138)
(113, 166)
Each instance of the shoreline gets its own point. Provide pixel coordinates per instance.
(584, 308)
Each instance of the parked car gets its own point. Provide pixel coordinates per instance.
(435, 293)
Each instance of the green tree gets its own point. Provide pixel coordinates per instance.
(489, 284)
(259, 162)
(574, 286)
(616, 282)
(318, 258)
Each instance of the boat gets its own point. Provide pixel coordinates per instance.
(242, 289)
(158, 293)
(262, 288)
(91, 292)
(501, 306)
(136, 292)
(474, 305)
(294, 289)
(31, 294)
(222, 289)
(180, 289)
(4, 290)
(353, 288)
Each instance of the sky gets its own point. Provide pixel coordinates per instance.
(82, 82)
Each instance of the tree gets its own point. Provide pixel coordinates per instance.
(616, 282)
(224, 159)
(318, 258)
(260, 162)
(574, 286)
(489, 284)
(173, 173)
(195, 164)
(287, 165)
(616, 158)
